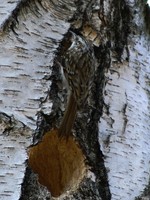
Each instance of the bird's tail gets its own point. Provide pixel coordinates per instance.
(68, 118)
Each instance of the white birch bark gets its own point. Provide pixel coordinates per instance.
(125, 126)
(14, 140)
(27, 51)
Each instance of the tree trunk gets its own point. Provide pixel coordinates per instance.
(107, 156)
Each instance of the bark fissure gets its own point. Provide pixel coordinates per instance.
(90, 131)
(121, 18)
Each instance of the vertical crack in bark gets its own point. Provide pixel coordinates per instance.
(89, 138)
(146, 13)
(120, 26)
(124, 110)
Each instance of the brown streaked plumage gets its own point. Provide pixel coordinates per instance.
(78, 66)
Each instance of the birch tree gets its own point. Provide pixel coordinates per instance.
(108, 154)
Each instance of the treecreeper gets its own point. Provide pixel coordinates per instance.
(78, 62)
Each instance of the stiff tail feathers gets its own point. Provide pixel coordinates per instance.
(68, 118)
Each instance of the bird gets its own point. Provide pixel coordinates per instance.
(78, 63)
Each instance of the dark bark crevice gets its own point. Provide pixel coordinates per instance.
(146, 13)
(46, 122)
(31, 186)
(87, 131)
(120, 26)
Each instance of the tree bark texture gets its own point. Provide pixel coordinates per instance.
(112, 129)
